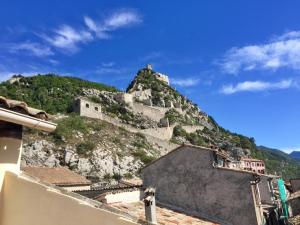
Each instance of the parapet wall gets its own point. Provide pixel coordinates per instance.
(192, 129)
(162, 133)
(154, 113)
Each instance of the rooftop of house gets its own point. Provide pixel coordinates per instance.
(164, 215)
(59, 176)
(251, 159)
(23, 108)
(294, 195)
(132, 182)
(295, 220)
(218, 152)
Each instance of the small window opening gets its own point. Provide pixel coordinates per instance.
(87, 105)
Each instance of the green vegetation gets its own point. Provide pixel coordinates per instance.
(85, 148)
(68, 126)
(49, 92)
(142, 155)
(195, 138)
(278, 162)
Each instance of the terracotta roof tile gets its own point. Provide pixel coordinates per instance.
(59, 176)
(164, 215)
(22, 107)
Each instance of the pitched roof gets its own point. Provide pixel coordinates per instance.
(60, 176)
(179, 148)
(251, 159)
(164, 215)
(22, 107)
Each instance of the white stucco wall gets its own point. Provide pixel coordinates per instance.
(122, 197)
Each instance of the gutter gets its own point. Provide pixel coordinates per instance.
(25, 120)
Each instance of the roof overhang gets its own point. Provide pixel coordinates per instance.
(25, 120)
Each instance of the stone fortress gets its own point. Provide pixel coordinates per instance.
(139, 102)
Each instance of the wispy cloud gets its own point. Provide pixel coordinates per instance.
(30, 48)
(120, 19)
(68, 38)
(5, 75)
(188, 82)
(279, 52)
(255, 86)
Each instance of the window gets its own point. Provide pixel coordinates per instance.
(96, 108)
(87, 105)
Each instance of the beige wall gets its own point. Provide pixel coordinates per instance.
(10, 156)
(26, 202)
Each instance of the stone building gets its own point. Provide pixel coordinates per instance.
(162, 77)
(196, 180)
(87, 108)
(254, 165)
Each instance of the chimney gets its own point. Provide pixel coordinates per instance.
(150, 208)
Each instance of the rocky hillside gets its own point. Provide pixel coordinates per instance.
(93, 148)
(129, 135)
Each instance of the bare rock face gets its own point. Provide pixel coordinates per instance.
(40, 153)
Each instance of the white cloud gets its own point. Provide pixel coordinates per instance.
(288, 150)
(115, 21)
(108, 64)
(188, 82)
(121, 19)
(5, 75)
(280, 52)
(255, 86)
(30, 48)
(67, 38)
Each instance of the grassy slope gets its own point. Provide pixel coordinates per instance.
(49, 92)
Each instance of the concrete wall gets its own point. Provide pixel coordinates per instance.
(124, 98)
(185, 179)
(295, 184)
(87, 108)
(192, 129)
(163, 133)
(153, 113)
(295, 205)
(26, 202)
(264, 190)
(122, 197)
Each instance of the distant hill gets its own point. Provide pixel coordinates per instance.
(295, 155)
(279, 162)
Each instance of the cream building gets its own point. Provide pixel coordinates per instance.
(25, 200)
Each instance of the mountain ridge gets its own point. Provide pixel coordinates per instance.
(55, 94)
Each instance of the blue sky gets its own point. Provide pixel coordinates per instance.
(238, 60)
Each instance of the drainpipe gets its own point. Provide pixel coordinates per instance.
(25, 120)
(150, 208)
